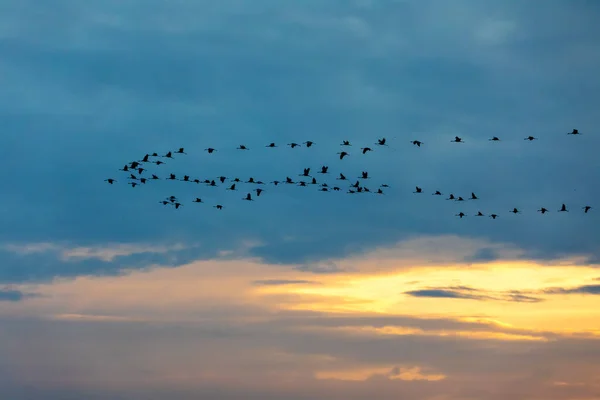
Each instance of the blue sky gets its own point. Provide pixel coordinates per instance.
(89, 86)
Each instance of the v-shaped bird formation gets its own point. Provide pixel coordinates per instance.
(138, 174)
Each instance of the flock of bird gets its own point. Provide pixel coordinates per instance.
(136, 177)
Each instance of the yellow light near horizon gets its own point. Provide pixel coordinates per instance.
(386, 295)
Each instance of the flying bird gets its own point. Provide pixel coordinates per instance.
(210, 150)
(494, 139)
(479, 214)
(460, 214)
(530, 138)
(180, 151)
(324, 169)
(198, 200)
(218, 207)
(308, 143)
(342, 177)
(306, 172)
(417, 143)
(292, 145)
(364, 175)
(365, 149)
(242, 147)
(493, 216)
(563, 208)
(346, 143)
(437, 193)
(381, 142)
(543, 210)
(515, 211)
(574, 132)
(586, 209)
(457, 140)
(168, 155)
(110, 180)
(271, 145)
(248, 197)
(473, 197)
(343, 154)
(418, 190)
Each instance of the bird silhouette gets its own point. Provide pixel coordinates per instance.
(324, 169)
(586, 209)
(271, 145)
(563, 208)
(473, 197)
(437, 193)
(418, 190)
(494, 139)
(493, 216)
(258, 191)
(479, 214)
(417, 143)
(210, 150)
(543, 210)
(530, 138)
(168, 155)
(365, 149)
(198, 200)
(346, 143)
(308, 143)
(344, 154)
(242, 147)
(248, 197)
(515, 211)
(180, 151)
(232, 187)
(381, 142)
(306, 172)
(110, 180)
(218, 207)
(292, 145)
(364, 175)
(573, 132)
(457, 140)
(342, 177)
(461, 214)
(451, 197)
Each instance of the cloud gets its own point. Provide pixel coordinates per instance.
(584, 289)
(13, 295)
(462, 292)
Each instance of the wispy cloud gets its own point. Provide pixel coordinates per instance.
(105, 253)
(463, 292)
(14, 295)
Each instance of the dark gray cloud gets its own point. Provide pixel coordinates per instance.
(463, 292)
(584, 289)
(82, 98)
(13, 295)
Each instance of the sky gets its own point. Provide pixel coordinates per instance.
(107, 294)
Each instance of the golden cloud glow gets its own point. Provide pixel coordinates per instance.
(371, 304)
